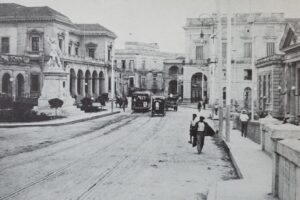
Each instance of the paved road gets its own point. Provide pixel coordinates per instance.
(127, 156)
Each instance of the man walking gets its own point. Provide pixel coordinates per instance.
(244, 118)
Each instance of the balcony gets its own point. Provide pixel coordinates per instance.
(14, 59)
(84, 59)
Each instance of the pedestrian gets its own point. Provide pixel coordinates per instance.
(244, 118)
(203, 129)
(126, 101)
(204, 102)
(123, 105)
(193, 128)
(199, 106)
(216, 108)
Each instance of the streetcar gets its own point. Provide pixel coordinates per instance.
(158, 106)
(141, 101)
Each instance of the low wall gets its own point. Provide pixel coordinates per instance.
(286, 170)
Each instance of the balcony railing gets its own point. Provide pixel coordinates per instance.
(13, 59)
(84, 59)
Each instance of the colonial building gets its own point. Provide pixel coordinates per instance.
(142, 65)
(279, 76)
(173, 76)
(200, 78)
(29, 34)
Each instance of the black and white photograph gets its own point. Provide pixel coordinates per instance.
(149, 99)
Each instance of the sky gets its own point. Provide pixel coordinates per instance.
(154, 21)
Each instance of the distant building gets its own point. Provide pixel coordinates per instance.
(85, 51)
(136, 61)
(199, 79)
(173, 76)
(279, 76)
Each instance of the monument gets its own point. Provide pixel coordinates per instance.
(55, 84)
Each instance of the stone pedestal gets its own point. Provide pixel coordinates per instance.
(56, 85)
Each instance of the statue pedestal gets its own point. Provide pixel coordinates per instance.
(55, 86)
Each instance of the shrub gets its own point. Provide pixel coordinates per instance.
(56, 103)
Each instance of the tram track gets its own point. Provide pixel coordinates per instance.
(61, 170)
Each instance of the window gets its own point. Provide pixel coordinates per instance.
(91, 52)
(109, 54)
(35, 44)
(35, 86)
(270, 48)
(131, 82)
(76, 51)
(131, 64)
(247, 50)
(199, 53)
(224, 49)
(5, 45)
(247, 74)
(60, 43)
(69, 49)
(124, 64)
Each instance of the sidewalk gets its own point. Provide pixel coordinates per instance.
(68, 120)
(254, 168)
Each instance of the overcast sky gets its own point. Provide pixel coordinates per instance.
(154, 21)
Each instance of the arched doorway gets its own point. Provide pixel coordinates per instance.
(173, 87)
(198, 87)
(101, 83)
(6, 84)
(80, 82)
(72, 81)
(173, 70)
(20, 85)
(94, 82)
(247, 98)
(87, 83)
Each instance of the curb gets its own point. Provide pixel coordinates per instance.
(58, 123)
(235, 165)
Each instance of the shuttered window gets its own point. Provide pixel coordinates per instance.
(199, 53)
(270, 48)
(247, 49)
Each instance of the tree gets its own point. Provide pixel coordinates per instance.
(56, 103)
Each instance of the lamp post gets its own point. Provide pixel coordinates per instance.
(112, 79)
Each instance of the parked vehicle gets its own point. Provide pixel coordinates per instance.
(158, 105)
(172, 102)
(141, 101)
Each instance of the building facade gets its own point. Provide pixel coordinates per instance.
(202, 78)
(28, 35)
(142, 65)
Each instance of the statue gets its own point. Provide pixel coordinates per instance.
(55, 54)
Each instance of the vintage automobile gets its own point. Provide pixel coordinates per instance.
(172, 102)
(158, 105)
(141, 101)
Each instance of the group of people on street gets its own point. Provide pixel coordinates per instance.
(122, 102)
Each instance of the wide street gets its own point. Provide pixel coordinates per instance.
(124, 156)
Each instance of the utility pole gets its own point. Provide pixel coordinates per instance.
(112, 80)
(228, 72)
(219, 91)
(253, 68)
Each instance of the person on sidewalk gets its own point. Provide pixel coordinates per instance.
(204, 102)
(193, 128)
(123, 104)
(199, 106)
(216, 108)
(244, 118)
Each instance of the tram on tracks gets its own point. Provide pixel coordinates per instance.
(141, 101)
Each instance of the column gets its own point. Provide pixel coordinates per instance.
(82, 81)
(74, 89)
(202, 85)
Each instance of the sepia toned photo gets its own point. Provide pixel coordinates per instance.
(149, 99)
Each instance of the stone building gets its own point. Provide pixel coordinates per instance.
(85, 51)
(173, 76)
(141, 63)
(200, 78)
